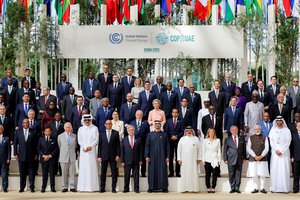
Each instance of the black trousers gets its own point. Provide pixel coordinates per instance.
(27, 168)
(48, 167)
(173, 151)
(235, 172)
(296, 176)
(113, 168)
(135, 171)
(209, 170)
(4, 175)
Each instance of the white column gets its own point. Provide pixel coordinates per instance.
(134, 18)
(74, 63)
(157, 60)
(271, 42)
(214, 61)
(43, 61)
(241, 10)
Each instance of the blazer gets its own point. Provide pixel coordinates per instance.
(61, 91)
(166, 104)
(144, 104)
(49, 148)
(196, 105)
(32, 81)
(67, 153)
(229, 91)
(115, 95)
(291, 93)
(20, 113)
(174, 131)
(67, 105)
(101, 118)
(109, 151)
(234, 155)
(5, 80)
(155, 90)
(127, 115)
(104, 85)
(143, 131)
(25, 150)
(264, 130)
(219, 102)
(127, 87)
(86, 88)
(233, 119)
(246, 92)
(131, 156)
(5, 150)
(94, 106)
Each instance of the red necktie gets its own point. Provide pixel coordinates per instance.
(131, 142)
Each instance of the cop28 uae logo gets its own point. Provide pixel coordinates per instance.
(162, 38)
(115, 38)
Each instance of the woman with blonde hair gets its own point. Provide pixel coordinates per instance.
(137, 89)
(156, 114)
(211, 158)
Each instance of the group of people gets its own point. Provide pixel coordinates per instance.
(129, 123)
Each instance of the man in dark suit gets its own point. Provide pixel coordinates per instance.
(67, 103)
(7, 122)
(105, 79)
(228, 87)
(180, 90)
(62, 88)
(131, 158)
(212, 121)
(248, 87)
(169, 100)
(185, 114)
(22, 110)
(44, 101)
(233, 115)
(48, 151)
(25, 152)
(77, 114)
(273, 89)
(159, 87)
(194, 103)
(234, 155)
(103, 113)
(5, 157)
(145, 100)
(128, 82)
(295, 156)
(114, 93)
(128, 109)
(9, 76)
(10, 96)
(141, 131)
(280, 109)
(88, 88)
(174, 130)
(108, 152)
(29, 78)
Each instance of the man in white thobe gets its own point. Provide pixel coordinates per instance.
(258, 148)
(254, 113)
(88, 137)
(280, 140)
(188, 156)
(202, 112)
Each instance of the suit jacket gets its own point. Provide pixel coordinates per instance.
(67, 153)
(233, 119)
(67, 105)
(5, 150)
(177, 90)
(264, 130)
(228, 90)
(75, 118)
(56, 131)
(246, 92)
(207, 124)
(187, 120)
(8, 125)
(47, 148)
(127, 87)
(20, 93)
(155, 90)
(101, 118)
(127, 115)
(25, 150)
(41, 105)
(61, 91)
(196, 105)
(295, 145)
(219, 102)
(10, 100)
(168, 104)
(293, 95)
(20, 114)
(5, 80)
(94, 106)
(131, 156)
(274, 112)
(86, 88)
(144, 104)
(234, 155)
(143, 131)
(174, 131)
(109, 150)
(115, 96)
(32, 81)
(104, 85)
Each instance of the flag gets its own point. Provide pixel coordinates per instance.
(230, 11)
(165, 6)
(200, 10)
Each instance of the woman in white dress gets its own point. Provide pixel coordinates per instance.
(117, 124)
(135, 91)
(211, 158)
(88, 137)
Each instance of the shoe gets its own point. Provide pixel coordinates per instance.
(165, 191)
(53, 190)
(64, 190)
(263, 191)
(43, 191)
(254, 191)
(102, 191)
(32, 190)
(137, 191)
(125, 191)
(21, 190)
(5, 190)
(73, 190)
(213, 190)
(171, 175)
(114, 191)
(238, 191)
(232, 191)
(150, 191)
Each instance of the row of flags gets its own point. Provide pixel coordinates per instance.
(119, 10)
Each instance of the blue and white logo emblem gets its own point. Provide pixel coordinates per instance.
(115, 38)
(162, 38)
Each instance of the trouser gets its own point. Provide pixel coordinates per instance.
(173, 150)
(48, 168)
(296, 176)
(262, 182)
(235, 172)
(113, 168)
(4, 175)
(26, 168)
(135, 168)
(65, 168)
(208, 171)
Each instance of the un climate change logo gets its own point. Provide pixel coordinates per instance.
(162, 38)
(115, 38)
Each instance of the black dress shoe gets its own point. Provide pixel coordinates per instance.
(114, 191)
(5, 190)
(263, 191)
(150, 191)
(73, 190)
(102, 191)
(238, 191)
(137, 191)
(254, 191)
(125, 191)
(64, 190)
(21, 190)
(165, 191)
(43, 191)
(232, 191)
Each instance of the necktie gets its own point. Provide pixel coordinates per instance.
(79, 110)
(174, 122)
(108, 136)
(131, 142)
(235, 141)
(138, 125)
(213, 121)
